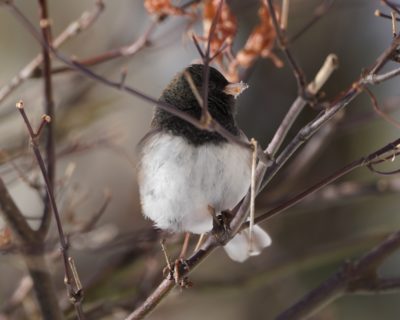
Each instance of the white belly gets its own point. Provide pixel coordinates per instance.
(181, 181)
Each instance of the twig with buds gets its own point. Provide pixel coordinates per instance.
(74, 287)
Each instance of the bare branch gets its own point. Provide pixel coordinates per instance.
(319, 12)
(379, 111)
(283, 43)
(391, 6)
(14, 217)
(32, 249)
(377, 156)
(353, 275)
(71, 279)
(205, 116)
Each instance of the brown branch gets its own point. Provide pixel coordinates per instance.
(342, 193)
(72, 281)
(381, 62)
(205, 116)
(123, 51)
(283, 44)
(126, 50)
(330, 64)
(380, 14)
(379, 111)
(305, 158)
(353, 276)
(14, 217)
(376, 285)
(383, 154)
(32, 253)
(319, 12)
(391, 6)
(49, 110)
(95, 217)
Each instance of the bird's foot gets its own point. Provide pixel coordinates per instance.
(221, 229)
(177, 271)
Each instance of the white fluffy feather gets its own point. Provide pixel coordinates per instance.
(178, 181)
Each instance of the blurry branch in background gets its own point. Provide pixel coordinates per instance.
(359, 276)
(379, 110)
(133, 48)
(72, 281)
(387, 153)
(307, 259)
(342, 193)
(31, 248)
(319, 12)
(284, 46)
(26, 284)
(32, 68)
(391, 5)
(124, 51)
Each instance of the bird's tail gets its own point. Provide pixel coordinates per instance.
(240, 248)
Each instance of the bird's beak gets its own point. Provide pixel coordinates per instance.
(235, 89)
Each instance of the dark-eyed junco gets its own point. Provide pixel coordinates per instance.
(185, 171)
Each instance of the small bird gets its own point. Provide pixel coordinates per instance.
(185, 171)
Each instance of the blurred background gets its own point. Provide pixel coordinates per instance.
(117, 262)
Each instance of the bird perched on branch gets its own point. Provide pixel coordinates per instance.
(189, 176)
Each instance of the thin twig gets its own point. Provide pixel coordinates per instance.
(376, 79)
(384, 58)
(391, 6)
(283, 43)
(379, 110)
(375, 157)
(379, 13)
(126, 50)
(319, 12)
(72, 282)
(205, 115)
(123, 51)
(330, 64)
(350, 277)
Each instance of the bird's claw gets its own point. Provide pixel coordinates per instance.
(221, 229)
(176, 273)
